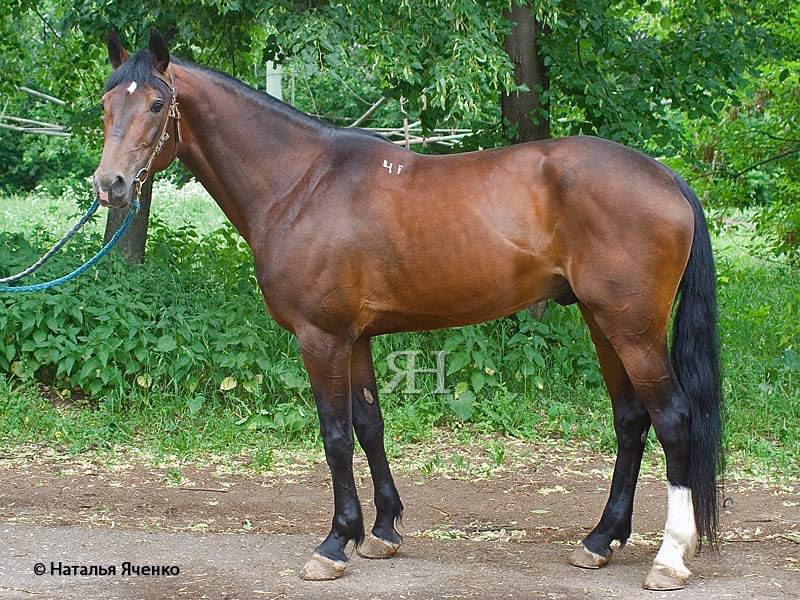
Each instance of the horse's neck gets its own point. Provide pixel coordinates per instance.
(251, 155)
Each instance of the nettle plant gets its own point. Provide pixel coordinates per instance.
(168, 324)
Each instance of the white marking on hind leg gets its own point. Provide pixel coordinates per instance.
(680, 532)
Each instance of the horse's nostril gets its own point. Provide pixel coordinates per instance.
(118, 186)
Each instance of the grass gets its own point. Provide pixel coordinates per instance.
(760, 331)
(179, 358)
(40, 214)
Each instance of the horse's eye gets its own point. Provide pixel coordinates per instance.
(103, 106)
(156, 106)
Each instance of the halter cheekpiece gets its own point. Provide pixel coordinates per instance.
(173, 114)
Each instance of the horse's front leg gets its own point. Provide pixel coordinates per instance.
(368, 423)
(327, 360)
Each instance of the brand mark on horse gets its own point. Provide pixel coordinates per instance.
(389, 166)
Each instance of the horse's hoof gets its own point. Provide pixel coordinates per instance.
(375, 547)
(586, 559)
(321, 568)
(663, 578)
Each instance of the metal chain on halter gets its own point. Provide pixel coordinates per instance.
(138, 181)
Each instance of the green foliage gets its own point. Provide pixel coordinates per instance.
(760, 331)
(179, 355)
(630, 71)
(620, 70)
(748, 155)
(118, 333)
(444, 60)
(52, 163)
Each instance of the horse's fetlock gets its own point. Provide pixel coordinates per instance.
(349, 523)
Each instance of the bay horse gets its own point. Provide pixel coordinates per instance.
(355, 237)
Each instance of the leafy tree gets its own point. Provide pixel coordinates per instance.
(748, 156)
(617, 68)
(643, 72)
(622, 69)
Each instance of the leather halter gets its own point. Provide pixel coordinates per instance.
(174, 114)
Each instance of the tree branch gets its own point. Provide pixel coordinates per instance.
(776, 137)
(747, 169)
(369, 112)
(62, 44)
(41, 95)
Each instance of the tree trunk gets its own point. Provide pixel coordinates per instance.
(527, 111)
(133, 241)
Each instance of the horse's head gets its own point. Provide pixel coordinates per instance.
(140, 120)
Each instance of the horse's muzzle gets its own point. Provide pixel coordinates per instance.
(113, 191)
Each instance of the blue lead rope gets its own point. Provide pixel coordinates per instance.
(60, 244)
(87, 265)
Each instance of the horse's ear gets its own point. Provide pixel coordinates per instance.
(116, 51)
(159, 53)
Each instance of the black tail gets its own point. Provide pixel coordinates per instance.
(695, 358)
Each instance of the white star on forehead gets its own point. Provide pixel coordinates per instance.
(132, 87)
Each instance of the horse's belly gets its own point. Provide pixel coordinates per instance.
(461, 290)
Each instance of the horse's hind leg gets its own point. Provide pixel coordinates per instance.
(631, 422)
(368, 423)
(638, 335)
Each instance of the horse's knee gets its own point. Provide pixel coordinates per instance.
(369, 428)
(339, 447)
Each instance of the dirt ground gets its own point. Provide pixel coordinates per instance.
(475, 530)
